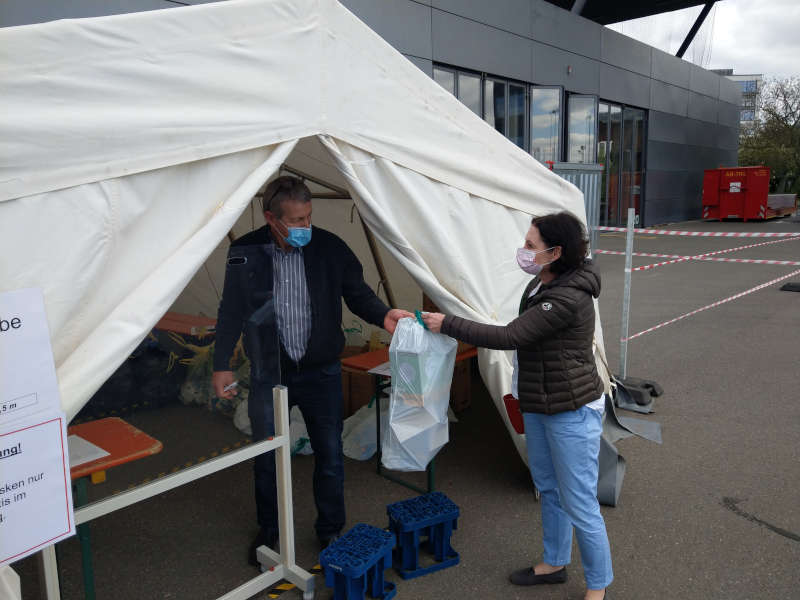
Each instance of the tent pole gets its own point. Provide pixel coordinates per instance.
(373, 247)
(339, 191)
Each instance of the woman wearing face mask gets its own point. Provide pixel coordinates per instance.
(560, 395)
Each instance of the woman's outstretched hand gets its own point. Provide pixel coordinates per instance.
(433, 321)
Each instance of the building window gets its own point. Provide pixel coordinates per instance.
(747, 115)
(750, 86)
(581, 129)
(545, 118)
(504, 108)
(464, 86)
(516, 114)
(532, 117)
(446, 79)
(469, 91)
(494, 104)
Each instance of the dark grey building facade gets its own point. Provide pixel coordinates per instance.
(562, 87)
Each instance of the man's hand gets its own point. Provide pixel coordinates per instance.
(433, 321)
(220, 379)
(393, 316)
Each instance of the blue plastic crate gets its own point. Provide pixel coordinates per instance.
(354, 564)
(433, 516)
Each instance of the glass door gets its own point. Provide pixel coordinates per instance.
(581, 128)
(545, 123)
(609, 141)
(630, 195)
(620, 149)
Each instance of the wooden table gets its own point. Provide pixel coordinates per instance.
(124, 443)
(364, 363)
(186, 324)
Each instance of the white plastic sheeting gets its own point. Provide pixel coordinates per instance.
(130, 145)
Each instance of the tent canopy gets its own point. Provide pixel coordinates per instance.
(132, 144)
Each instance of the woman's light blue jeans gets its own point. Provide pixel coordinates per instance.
(563, 454)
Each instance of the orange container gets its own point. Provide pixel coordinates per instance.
(735, 193)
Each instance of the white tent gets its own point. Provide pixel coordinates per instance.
(131, 145)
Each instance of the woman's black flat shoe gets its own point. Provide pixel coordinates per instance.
(529, 577)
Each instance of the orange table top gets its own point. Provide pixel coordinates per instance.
(369, 360)
(120, 439)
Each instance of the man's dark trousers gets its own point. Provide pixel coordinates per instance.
(317, 391)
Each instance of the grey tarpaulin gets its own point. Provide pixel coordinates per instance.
(635, 394)
(612, 471)
(612, 465)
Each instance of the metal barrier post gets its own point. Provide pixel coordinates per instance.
(49, 573)
(626, 297)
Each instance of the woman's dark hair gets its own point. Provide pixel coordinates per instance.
(565, 230)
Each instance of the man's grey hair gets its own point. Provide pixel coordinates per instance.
(284, 189)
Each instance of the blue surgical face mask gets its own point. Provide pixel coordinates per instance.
(298, 236)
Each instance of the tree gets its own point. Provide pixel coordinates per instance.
(774, 138)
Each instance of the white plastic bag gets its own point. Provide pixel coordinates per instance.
(241, 420)
(422, 371)
(359, 436)
(298, 434)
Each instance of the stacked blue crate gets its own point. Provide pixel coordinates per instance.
(432, 515)
(354, 564)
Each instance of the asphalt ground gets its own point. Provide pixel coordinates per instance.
(711, 513)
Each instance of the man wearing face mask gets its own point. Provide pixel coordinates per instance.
(284, 285)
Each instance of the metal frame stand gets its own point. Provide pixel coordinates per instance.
(626, 297)
(631, 393)
(279, 566)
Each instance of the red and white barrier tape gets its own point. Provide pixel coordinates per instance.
(648, 254)
(712, 305)
(703, 233)
(753, 261)
(708, 256)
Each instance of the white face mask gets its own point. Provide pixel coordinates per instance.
(526, 259)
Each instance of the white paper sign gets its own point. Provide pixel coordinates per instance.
(384, 369)
(735, 187)
(82, 451)
(35, 489)
(28, 382)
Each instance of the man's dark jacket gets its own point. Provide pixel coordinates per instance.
(553, 337)
(332, 272)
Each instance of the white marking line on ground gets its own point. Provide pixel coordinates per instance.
(713, 305)
(703, 233)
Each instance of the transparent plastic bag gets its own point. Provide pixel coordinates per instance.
(422, 371)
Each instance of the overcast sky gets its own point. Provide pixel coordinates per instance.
(748, 36)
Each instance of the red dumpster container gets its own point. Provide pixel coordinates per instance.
(735, 193)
